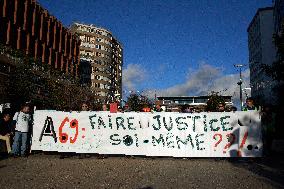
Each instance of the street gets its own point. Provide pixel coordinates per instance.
(49, 171)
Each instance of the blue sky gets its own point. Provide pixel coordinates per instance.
(168, 39)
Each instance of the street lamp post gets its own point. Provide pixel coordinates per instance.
(239, 66)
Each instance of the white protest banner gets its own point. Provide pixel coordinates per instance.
(226, 134)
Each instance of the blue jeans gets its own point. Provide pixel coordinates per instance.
(20, 143)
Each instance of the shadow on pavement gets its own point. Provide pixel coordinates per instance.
(3, 156)
(271, 168)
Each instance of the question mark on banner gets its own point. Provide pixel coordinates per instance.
(218, 142)
(231, 139)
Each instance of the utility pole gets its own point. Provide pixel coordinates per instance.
(239, 66)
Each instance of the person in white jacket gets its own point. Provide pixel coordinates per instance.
(23, 120)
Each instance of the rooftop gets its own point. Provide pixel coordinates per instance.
(97, 27)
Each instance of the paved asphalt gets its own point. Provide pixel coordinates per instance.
(49, 171)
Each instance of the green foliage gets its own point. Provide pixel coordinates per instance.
(137, 102)
(214, 100)
(31, 80)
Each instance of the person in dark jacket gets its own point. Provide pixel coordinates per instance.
(5, 130)
(221, 107)
(250, 105)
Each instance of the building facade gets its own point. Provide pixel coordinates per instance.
(198, 102)
(105, 55)
(27, 26)
(262, 50)
(39, 58)
(278, 16)
(279, 25)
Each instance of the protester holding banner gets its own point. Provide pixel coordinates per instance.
(85, 107)
(104, 107)
(22, 122)
(221, 107)
(158, 108)
(233, 109)
(250, 105)
(126, 108)
(5, 129)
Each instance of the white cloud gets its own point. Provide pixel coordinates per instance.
(202, 81)
(133, 75)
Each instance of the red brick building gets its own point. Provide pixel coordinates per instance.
(26, 26)
(29, 35)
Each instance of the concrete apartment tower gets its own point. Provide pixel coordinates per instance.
(101, 59)
(262, 50)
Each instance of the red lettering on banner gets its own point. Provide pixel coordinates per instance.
(231, 139)
(74, 124)
(63, 137)
(218, 142)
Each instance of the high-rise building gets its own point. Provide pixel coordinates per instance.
(262, 50)
(104, 53)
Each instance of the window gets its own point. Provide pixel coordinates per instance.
(98, 54)
(93, 40)
(97, 85)
(87, 39)
(200, 100)
(98, 46)
(107, 42)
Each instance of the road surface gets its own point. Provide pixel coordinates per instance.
(49, 171)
